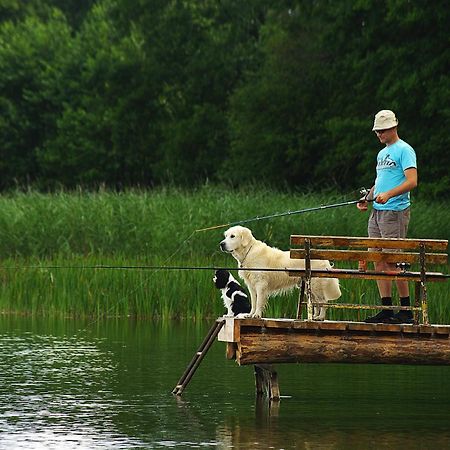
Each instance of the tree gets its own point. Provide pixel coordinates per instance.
(139, 92)
(327, 68)
(203, 49)
(105, 133)
(31, 94)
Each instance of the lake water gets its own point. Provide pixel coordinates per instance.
(107, 385)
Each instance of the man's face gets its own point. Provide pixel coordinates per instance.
(386, 136)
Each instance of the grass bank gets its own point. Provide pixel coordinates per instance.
(51, 243)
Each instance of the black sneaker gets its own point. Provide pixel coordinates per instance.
(402, 317)
(383, 316)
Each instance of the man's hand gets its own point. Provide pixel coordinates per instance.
(382, 198)
(362, 204)
(409, 184)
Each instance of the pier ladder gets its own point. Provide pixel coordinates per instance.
(198, 357)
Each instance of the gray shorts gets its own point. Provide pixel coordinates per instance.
(388, 224)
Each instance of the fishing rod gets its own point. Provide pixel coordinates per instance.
(144, 267)
(363, 191)
(190, 268)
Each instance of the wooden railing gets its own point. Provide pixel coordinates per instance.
(402, 252)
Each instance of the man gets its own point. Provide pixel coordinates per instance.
(396, 177)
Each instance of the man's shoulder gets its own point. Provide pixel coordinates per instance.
(403, 145)
(406, 155)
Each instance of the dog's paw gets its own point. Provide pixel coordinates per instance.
(243, 316)
(228, 315)
(318, 318)
(256, 315)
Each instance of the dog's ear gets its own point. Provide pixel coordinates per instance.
(246, 237)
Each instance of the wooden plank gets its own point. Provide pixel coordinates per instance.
(369, 327)
(230, 332)
(368, 275)
(410, 328)
(306, 325)
(342, 325)
(381, 348)
(250, 322)
(277, 323)
(426, 329)
(372, 256)
(366, 242)
(364, 306)
(333, 326)
(360, 326)
(243, 326)
(383, 327)
(442, 329)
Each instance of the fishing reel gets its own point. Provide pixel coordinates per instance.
(364, 192)
(403, 266)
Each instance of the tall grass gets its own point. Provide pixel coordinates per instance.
(51, 243)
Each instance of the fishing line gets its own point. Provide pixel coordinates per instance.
(174, 268)
(154, 268)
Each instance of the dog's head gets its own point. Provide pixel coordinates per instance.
(221, 278)
(236, 238)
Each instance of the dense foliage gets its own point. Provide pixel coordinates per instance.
(141, 92)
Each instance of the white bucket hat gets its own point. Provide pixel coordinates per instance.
(384, 119)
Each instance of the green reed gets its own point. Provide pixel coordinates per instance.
(51, 243)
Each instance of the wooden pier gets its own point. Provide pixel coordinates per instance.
(264, 342)
(270, 341)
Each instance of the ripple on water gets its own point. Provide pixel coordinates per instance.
(54, 391)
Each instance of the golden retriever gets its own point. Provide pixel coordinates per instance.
(252, 253)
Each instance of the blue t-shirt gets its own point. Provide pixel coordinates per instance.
(392, 162)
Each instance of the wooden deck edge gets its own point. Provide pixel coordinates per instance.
(273, 341)
(233, 327)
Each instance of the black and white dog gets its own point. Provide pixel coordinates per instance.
(234, 297)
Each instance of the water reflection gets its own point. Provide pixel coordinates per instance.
(63, 385)
(54, 390)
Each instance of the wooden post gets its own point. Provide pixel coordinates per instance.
(301, 297)
(308, 278)
(417, 301)
(230, 352)
(423, 286)
(265, 408)
(266, 381)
